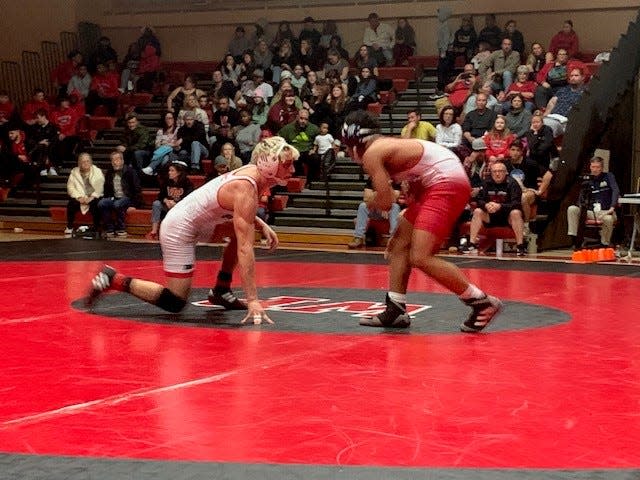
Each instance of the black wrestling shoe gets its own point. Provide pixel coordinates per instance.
(100, 284)
(394, 316)
(227, 300)
(484, 310)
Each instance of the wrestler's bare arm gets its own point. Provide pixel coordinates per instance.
(373, 163)
(245, 204)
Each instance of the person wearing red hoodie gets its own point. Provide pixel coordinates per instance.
(65, 117)
(567, 39)
(61, 75)
(103, 90)
(38, 102)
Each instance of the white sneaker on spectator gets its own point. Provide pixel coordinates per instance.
(68, 232)
(43, 173)
(121, 233)
(147, 171)
(52, 172)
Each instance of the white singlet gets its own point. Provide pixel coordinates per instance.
(194, 219)
(437, 164)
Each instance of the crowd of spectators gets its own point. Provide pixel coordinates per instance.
(301, 86)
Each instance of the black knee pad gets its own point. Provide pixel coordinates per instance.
(170, 302)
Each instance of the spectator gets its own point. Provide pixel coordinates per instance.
(324, 141)
(221, 87)
(176, 187)
(177, 99)
(301, 135)
(522, 86)
(599, 196)
(149, 47)
(231, 71)
(306, 91)
(363, 58)
(309, 56)
(512, 33)
(309, 33)
(319, 110)
(379, 38)
(401, 52)
(499, 203)
(448, 131)
(121, 192)
(8, 115)
(536, 59)
(336, 44)
(519, 118)
(284, 33)
(103, 54)
(445, 44)
(228, 154)
(566, 39)
(263, 56)
(283, 112)
(37, 103)
(166, 144)
(459, 89)
(283, 60)
(239, 44)
(558, 108)
(498, 140)
(260, 109)
(298, 79)
(61, 75)
(482, 55)
(464, 40)
(260, 84)
(491, 33)
(479, 121)
(337, 64)
(407, 32)
(329, 30)
(500, 67)
(65, 118)
(524, 171)
(220, 167)
(260, 25)
(366, 91)
(193, 138)
(337, 106)
(247, 66)
(15, 169)
(42, 141)
(553, 76)
(103, 91)
(224, 119)
(80, 83)
(85, 186)
(247, 135)
(135, 143)
(418, 128)
(193, 105)
(481, 87)
(541, 148)
(367, 211)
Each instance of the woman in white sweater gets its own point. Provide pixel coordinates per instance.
(448, 132)
(85, 187)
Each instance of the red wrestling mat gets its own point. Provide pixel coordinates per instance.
(559, 396)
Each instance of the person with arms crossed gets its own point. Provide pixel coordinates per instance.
(437, 192)
(229, 198)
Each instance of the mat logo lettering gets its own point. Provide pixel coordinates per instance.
(314, 306)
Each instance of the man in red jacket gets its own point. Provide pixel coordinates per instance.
(103, 90)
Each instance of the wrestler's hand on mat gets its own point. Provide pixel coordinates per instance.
(271, 237)
(256, 313)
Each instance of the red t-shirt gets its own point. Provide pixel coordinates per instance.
(497, 146)
(66, 120)
(30, 108)
(106, 85)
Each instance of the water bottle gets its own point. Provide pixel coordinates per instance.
(499, 247)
